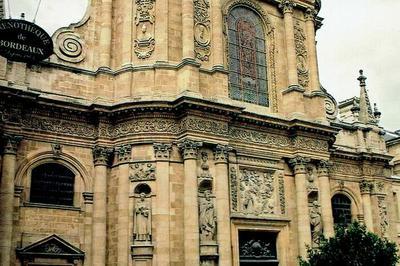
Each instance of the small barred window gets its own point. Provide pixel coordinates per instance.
(247, 57)
(341, 209)
(52, 183)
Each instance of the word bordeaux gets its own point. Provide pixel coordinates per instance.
(24, 41)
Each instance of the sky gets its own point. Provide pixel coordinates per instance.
(357, 34)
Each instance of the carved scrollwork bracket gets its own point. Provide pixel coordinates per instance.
(298, 164)
(189, 148)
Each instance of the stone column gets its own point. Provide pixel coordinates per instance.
(162, 210)
(7, 196)
(303, 220)
(366, 189)
(187, 29)
(105, 33)
(222, 199)
(312, 49)
(123, 154)
(189, 149)
(99, 222)
(287, 9)
(325, 197)
(88, 227)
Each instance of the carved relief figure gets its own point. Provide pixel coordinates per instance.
(302, 57)
(142, 225)
(315, 222)
(202, 35)
(207, 218)
(257, 189)
(144, 43)
(142, 172)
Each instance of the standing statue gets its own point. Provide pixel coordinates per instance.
(315, 222)
(142, 225)
(207, 219)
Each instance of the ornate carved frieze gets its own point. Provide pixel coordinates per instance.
(142, 172)
(373, 170)
(69, 46)
(10, 143)
(162, 151)
(282, 201)
(189, 148)
(221, 153)
(123, 153)
(346, 169)
(383, 215)
(298, 164)
(101, 155)
(203, 125)
(234, 188)
(207, 218)
(202, 30)
(366, 187)
(257, 191)
(144, 43)
(301, 55)
(259, 137)
(287, 6)
(310, 144)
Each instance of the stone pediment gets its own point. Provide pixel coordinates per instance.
(51, 246)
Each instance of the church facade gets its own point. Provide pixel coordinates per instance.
(186, 133)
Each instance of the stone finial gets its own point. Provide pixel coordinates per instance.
(101, 155)
(189, 148)
(365, 115)
(287, 6)
(377, 113)
(362, 78)
(10, 143)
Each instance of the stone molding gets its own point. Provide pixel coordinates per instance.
(123, 153)
(162, 151)
(10, 143)
(101, 155)
(189, 149)
(221, 153)
(298, 164)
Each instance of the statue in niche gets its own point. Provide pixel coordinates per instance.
(315, 223)
(142, 225)
(207, 219)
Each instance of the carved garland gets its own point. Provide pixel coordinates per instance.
(282, 193)
(301, 55)
(202, 31)
(234, 188)
(144, 43)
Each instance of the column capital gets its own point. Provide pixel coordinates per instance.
(10, 143)
(324, 167)
(162, 151)
(123, 153)
(298, 164)
(366, 187)
(310, 14)
(287, 6)
(189, 148)
(101, 155)
(221, 153)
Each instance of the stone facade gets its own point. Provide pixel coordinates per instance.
(168, 169)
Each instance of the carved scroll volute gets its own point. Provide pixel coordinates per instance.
(202, 30)
(144, 43)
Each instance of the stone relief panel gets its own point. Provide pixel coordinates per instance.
(202, 30)
(144, 43)
(257, 193)
(142, 172)
(282, 200)
(301, 55)
(383, 215)
(234, 188)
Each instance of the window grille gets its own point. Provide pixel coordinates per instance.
(341, 209)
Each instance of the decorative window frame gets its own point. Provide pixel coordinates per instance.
(355, 203)
(82, 182)
(269, 37)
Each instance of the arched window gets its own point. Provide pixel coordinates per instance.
(341, 209)
(52, 183)
(247, 57)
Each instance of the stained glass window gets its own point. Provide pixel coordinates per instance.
(247, 57)
(52, 183)
(341, 209)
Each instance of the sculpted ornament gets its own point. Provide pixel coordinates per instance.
(123, 153)
(287, 6)
(162, 151)
(202, 30)
(144, 43)
(101, 155)
(256, 192)
(315, 223)
(366, 187)
(282, 203)
(205, 168)
(69, 46)
(10, 143)
(207, 218)
(189, 148)
(384, 223)
(56, 149)
(301, 54)
(234, 188)
(298, 164)
(142, 172)
(142, 224)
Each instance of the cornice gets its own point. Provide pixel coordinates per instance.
(362, 156)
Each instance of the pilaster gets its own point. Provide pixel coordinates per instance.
(325, 196)
(303, 220)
